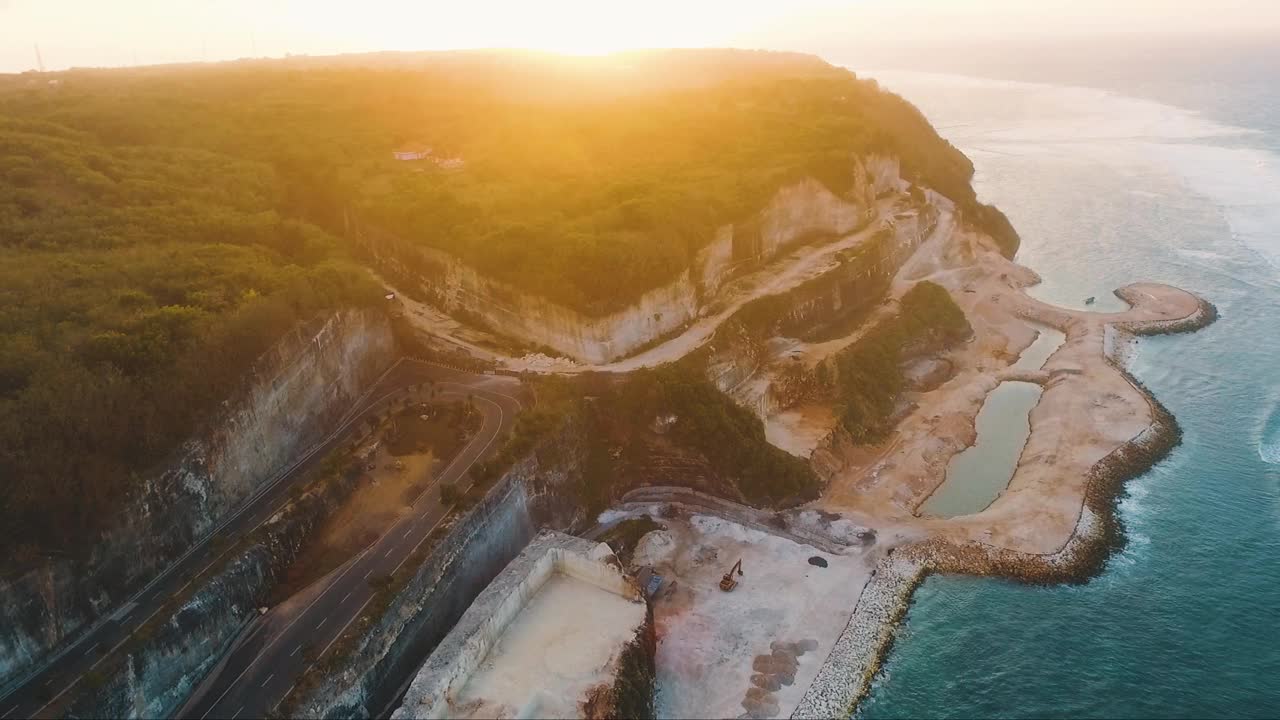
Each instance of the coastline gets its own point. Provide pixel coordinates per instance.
(853, 664)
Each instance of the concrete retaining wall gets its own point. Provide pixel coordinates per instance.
(454, 661)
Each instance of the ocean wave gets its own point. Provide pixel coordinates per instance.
(1088, 125)
(1269, 443)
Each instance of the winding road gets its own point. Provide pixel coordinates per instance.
(266, 660)
(264, 666)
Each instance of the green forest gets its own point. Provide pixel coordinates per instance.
(161, 227)
(137, 286)
(588, 181)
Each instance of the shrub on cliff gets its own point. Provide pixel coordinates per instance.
(869, 372)
(707, 421)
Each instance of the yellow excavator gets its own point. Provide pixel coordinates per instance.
(728, 583)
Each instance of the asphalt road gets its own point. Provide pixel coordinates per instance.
(47, 690)
(263, 667)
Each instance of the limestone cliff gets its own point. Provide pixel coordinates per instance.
(801, 212)
(292, 398)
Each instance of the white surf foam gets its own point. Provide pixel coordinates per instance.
(1089, 125)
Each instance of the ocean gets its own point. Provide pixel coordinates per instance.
(1173, 179)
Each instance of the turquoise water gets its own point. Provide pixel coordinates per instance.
(1185, 620)
(979, 474)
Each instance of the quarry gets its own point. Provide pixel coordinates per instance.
(558, 633)
(713, 502)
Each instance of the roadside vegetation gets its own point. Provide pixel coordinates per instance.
(707, 421)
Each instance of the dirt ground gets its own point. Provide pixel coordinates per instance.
(381, 496)
(755, 649)
(404, 462)
(1088, 408)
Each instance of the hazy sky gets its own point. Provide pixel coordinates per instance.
(121, 32)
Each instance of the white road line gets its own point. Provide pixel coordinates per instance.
(287, 693)
(95, 647)
(366, 575)
(60, 694)
(344, 629)
(444, 473)
(344, 598)
(295, 650)
(264, 489)
(206, 567)
(271, 644)
(264, 682)
(9, 712)
(406, 532)
(388, 552)
(148, 618)
(358, 407)
(322, 622)
(233, 717)
(501, 418)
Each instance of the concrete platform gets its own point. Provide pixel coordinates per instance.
(545, 639)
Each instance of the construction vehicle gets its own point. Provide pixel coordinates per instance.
(728, 583)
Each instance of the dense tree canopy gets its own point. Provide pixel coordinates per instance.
(137, 286)
(161, 227)
(586, 181)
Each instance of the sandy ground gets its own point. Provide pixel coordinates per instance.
(383, 494)
(559, 647)
(753, 650)
(1087, 410)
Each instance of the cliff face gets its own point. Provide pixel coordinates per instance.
(294, 396)
(801, 212)
(828, 304)
(162, 666)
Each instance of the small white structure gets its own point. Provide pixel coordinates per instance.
(416, 153)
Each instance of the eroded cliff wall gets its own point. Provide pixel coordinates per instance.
(293, 398)
(832, 304)
(801, 212)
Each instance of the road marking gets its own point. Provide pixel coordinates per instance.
(366, 575)
(95, 647)
(233, 717)
(501, 418)
(295, 651)
(322, 622)
(264, 682)
(358, 408)
(344, 598)
(287, 693)
(250, 504)
(9, 712)
(388, 552)
(406, 532)
(343, 630)
(271, 644)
